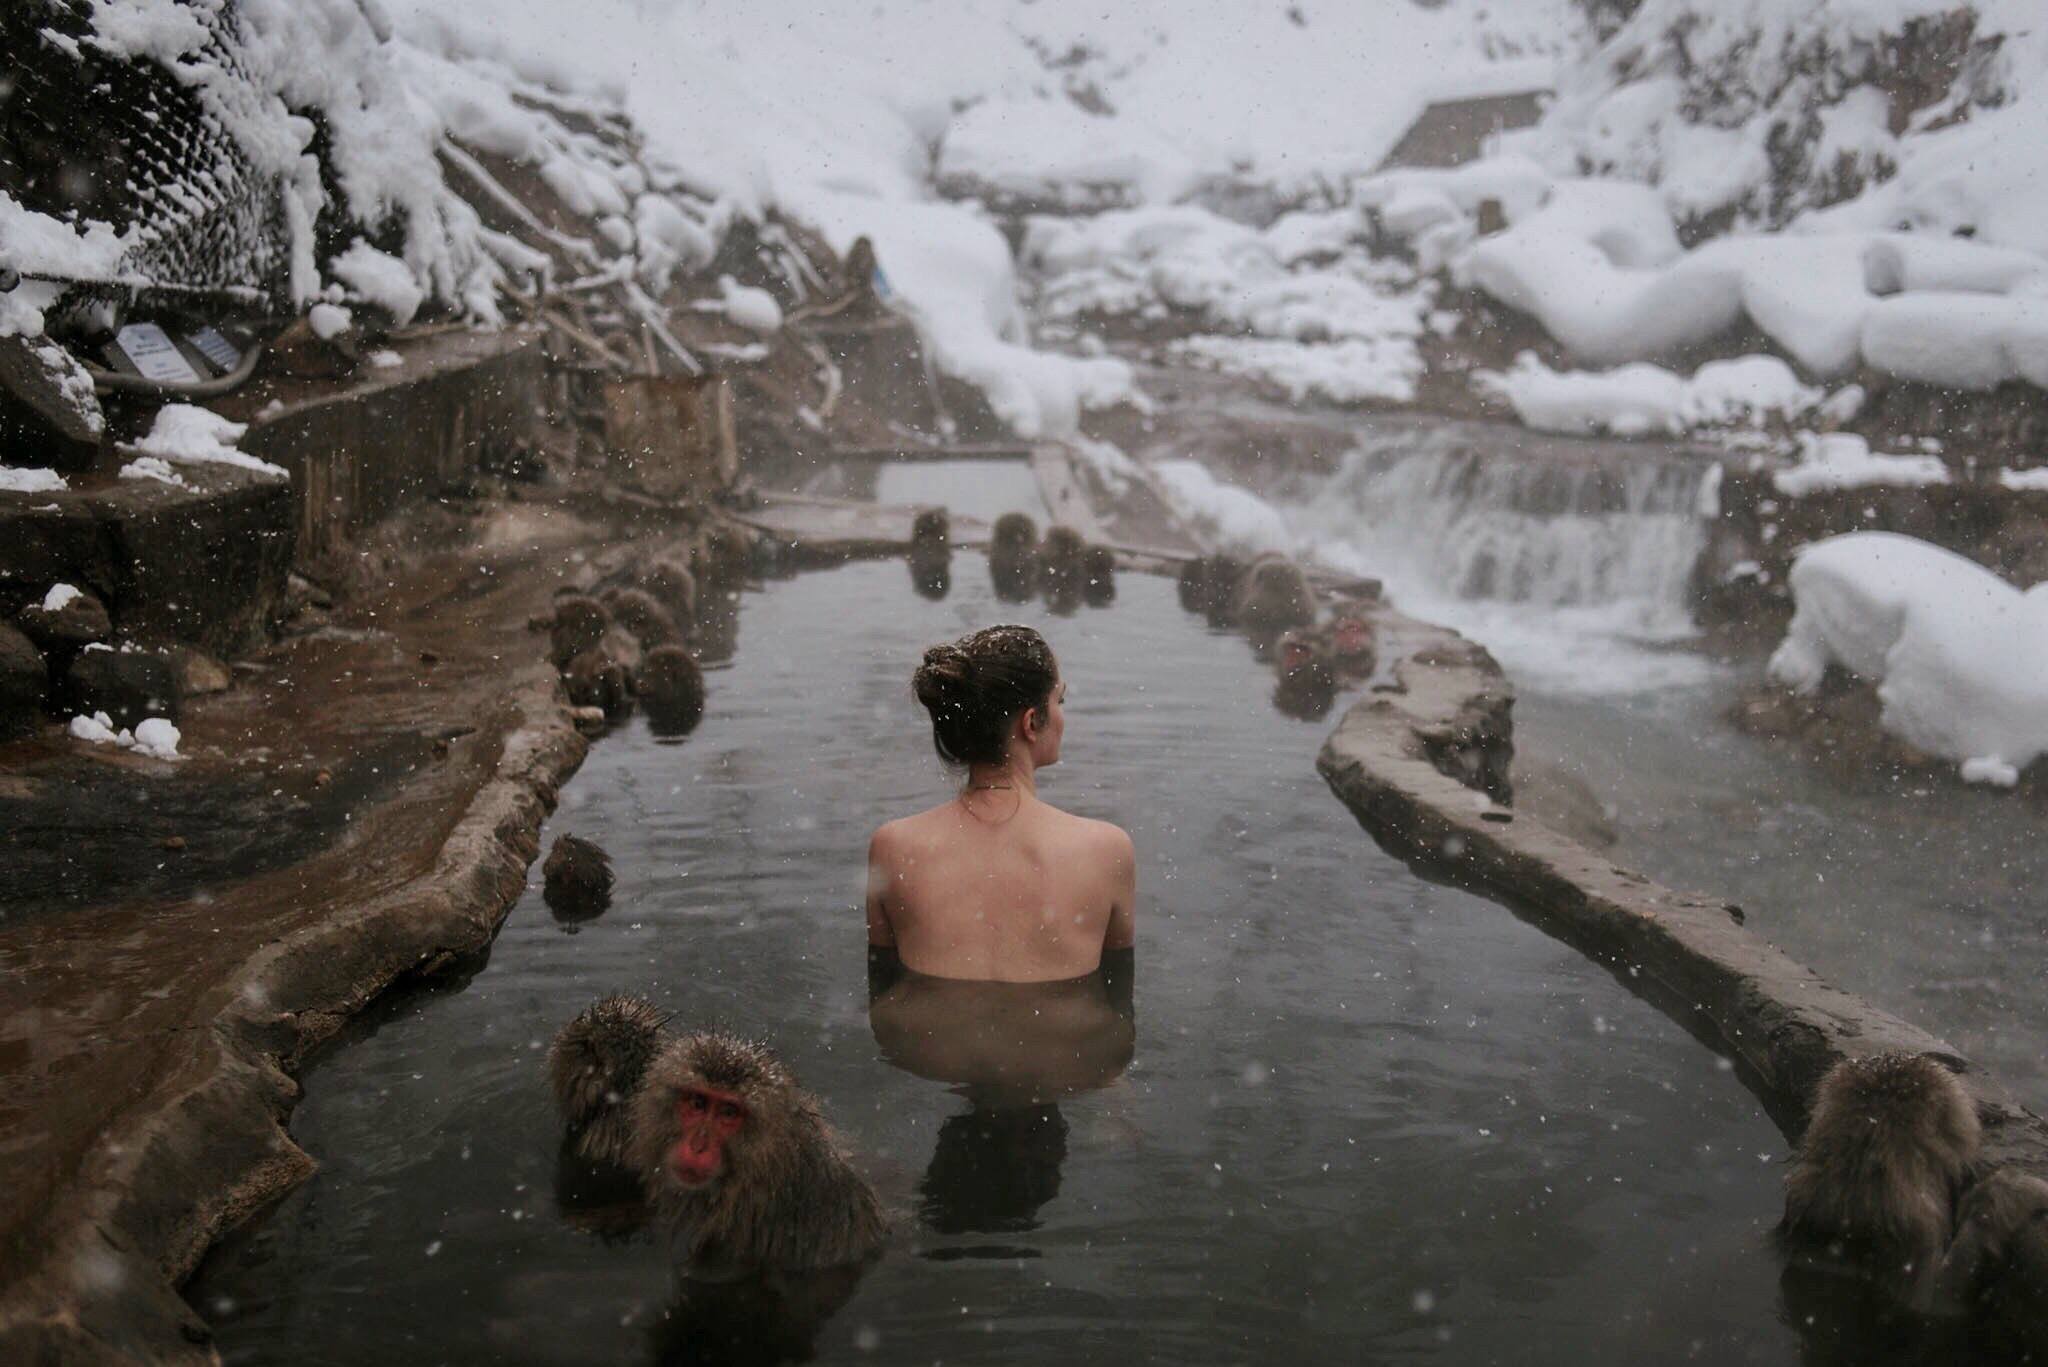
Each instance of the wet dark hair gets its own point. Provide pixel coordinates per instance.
(975, 687)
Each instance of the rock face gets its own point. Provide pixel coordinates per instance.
(130, 686)
(79, 620)
(24, 683)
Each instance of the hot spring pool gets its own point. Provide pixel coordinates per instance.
(1365, 1117)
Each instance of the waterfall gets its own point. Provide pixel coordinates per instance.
(1565, 556)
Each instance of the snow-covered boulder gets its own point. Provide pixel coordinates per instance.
(1958, 656)
(67, 618)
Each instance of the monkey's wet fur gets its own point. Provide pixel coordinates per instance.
(729, 1150)
(577, 878)
(1889, 1182)
(1888, 1149)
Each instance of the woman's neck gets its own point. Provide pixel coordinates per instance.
(1015, 774)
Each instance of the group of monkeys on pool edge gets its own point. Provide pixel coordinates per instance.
(1269, 597)
(738, 1161)
(625, 641)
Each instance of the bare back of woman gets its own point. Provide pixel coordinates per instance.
(996, 884)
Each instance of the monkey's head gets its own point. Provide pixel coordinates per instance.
(714, 1108)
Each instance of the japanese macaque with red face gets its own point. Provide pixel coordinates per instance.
(729, 1150)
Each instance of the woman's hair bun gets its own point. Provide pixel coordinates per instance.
(944, 678)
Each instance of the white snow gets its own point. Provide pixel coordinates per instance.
(99, 729)
(386, 360)
(329, 321)
(58, 596)
(1233, 518)
(155, 736)
(751, 308)
(2035, 479)
(1958, 656)
(17, 479)
(1376, 370)
(1843, 460)
(380, 279)
(1633, 400)
(186, 432)
(153, 467)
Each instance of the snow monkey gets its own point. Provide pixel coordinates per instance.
(1059, 557)
(1098, 576)
(1276, 596)
(723, 558)
(1308, 680)
(729, 1150)
(1013, 557)
(674, 587)
(931, 553)
(671, 689)
(595, 679)
(1888, 1148)
(1999, 1260)
(931, 532)
(1222, 577)
(644, 617)
(577, 879)
(579, 624)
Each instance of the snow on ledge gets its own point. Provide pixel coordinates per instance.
(186, 432)
(1634, 400)
(1958, 656)
(1842, 460)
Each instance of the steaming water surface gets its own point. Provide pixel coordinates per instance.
(1365, 1118)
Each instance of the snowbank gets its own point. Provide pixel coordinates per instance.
(1843, 460)
(16, 479)
(154, 736)
(1377, 370)
(1958, 656)
(1230, 517)
(1633, 400)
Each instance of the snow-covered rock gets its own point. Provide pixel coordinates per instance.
(1958, 656)
(1843, 460)
(1634, 400)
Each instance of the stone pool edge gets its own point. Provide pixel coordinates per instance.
(1416, 764)
(215, 1152)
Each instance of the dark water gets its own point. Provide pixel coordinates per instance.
(1365, 1118)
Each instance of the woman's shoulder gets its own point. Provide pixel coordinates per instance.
(1105, 837)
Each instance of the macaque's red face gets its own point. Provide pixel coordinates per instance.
(706, 1121)
(1295, 652)
(1352, 637)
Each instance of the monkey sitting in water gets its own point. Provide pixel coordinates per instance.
(578, 880)
(1013, 557)
(579, 623)
(931, 553)
(1999, 1259)
(1098, 576)
(1275, 597)
(728, 1149)
(671, 690)
(1890, 1145)
(643, 617)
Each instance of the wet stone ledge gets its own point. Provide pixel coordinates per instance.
(1422, 767)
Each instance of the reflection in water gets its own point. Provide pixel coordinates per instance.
(931, 572)
(1845, 1319)
(756, 1321)
(1014, 577)
(1012, 1050)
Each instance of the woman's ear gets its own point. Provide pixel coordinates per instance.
(1028, 723)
